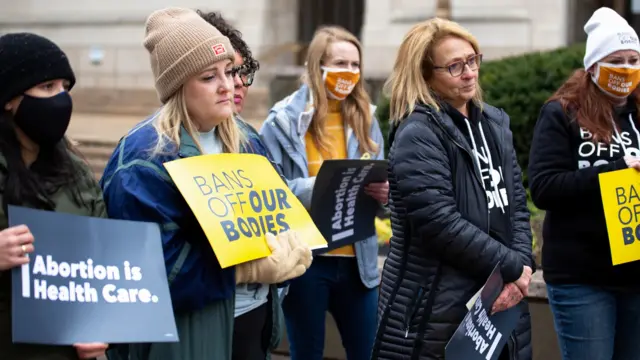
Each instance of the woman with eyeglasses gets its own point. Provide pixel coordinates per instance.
(457, 201)
(245, 65)
(257, 326)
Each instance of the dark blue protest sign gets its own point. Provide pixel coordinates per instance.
(482, 336)
(90, 280)
(340, 209)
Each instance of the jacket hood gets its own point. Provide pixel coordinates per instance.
(489, 112)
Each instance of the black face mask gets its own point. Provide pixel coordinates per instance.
(44, 120)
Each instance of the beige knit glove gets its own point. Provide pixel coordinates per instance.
(289, 259)
(299, 250)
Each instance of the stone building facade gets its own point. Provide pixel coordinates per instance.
(104, 38)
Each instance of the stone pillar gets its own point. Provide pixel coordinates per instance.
(386, 23)
(511, 27)
(104, 42)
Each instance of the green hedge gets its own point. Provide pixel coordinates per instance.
(520, 85)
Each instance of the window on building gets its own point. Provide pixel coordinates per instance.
(633, 14)
(314, 13)
(581, 10)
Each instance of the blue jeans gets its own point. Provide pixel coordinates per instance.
(594, 323)
(331, 284)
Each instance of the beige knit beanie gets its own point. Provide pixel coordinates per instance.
(181, 44)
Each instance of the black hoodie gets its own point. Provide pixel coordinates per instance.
(564, 165)
(488, 160)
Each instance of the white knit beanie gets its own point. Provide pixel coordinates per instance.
(607, 32)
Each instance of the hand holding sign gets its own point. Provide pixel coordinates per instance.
(508, 298)
(378, 191)
(481, 335)
(632, 162)
(289, 259)
(345, 200)
(91, 351)
(513, 293)
(85, 279)
(525, 279)
(15, 243)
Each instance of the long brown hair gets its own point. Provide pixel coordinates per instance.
(587, 105)
(356, 110)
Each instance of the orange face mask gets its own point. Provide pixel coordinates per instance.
(617, 80)
(340, 82)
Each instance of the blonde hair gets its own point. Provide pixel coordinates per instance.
(174, 114)
(356, 110)
(407, 85)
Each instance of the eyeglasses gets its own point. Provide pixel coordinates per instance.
(457, 68)
(245, 74)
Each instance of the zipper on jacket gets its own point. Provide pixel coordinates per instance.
(383, 323)
(412, 310)
(475, 170)
(426, 316)
(476, 173)
(478, 177)
(514, 348)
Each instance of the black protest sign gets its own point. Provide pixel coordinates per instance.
(90, 280)
(482, 336)
(340, 209)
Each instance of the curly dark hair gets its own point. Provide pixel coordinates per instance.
(215, 18)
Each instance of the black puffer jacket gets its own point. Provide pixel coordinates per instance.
(440, 252)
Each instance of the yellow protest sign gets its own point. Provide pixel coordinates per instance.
(620, 191)
(237, 199)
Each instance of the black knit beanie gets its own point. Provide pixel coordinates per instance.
(27, 60)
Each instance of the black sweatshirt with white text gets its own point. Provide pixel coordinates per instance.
(564, 164)
(487, 159)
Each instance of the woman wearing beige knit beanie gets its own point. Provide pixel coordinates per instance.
(192, 63)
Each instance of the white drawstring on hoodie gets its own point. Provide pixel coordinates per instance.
(633, 125)
(498, 199)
